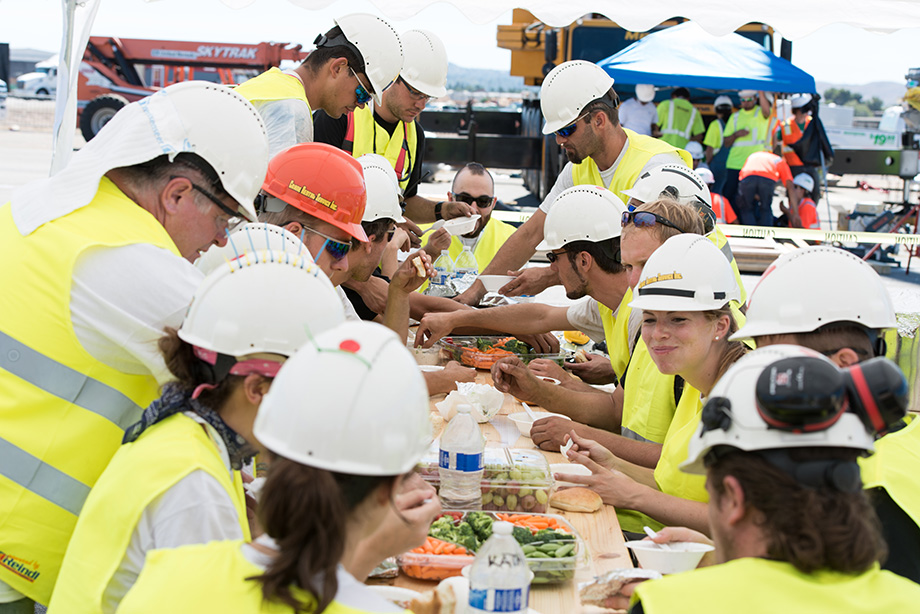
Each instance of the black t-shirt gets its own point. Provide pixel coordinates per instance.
(364, 312)
(901, 533)
(332, 131)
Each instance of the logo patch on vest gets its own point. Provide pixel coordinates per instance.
(21, 567)
(313, 195)
(657, 278)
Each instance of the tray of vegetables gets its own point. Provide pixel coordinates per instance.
(484, 351)
(552, 547)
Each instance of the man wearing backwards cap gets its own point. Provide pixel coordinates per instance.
(353, 62)
(581, 109)
(747, 131)
(100, 258)
(639, 114)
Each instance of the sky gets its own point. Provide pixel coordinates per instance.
(837, 54)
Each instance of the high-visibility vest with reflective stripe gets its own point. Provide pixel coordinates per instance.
(63, 412)
(894, 467)
(759, 586)
(491, 239)
(609, 320)
(209, 578)
(138, 474)
(670, 479)
(273, 84)
(620, 351)
(676, 135)
(758, 139)
(791, 133)
(723, 210)
(363, 135)
(714, 136)
(640, 151)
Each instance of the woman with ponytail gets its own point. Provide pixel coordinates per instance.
(339, 456)
(688, 297)
(177, 480)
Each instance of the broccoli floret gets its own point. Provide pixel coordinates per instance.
(548, 535)
(481, 523)
(443, 529)
(523, 535)
(466, 537)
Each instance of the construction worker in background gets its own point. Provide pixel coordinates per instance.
(100, 255)
(791, 527)
(342, 455)
(177, 480)
(800, 300)
(473, 184)
(679, 122)
(803, 185)
(720, 205)
(747, 131)
(714, 151)
(790, 131)
(696, 154)
(352, 63)
(391, 128)
(580, 107)
(639, 114)
(761, 172)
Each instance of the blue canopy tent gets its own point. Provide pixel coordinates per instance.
(687, 56)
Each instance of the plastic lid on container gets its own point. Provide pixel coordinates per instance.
(502, 528)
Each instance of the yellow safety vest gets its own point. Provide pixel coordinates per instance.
(759, 586)
(609, 320)
(758, 139)
(208, 578)
(63, 412)
(491, 239)
(894, 467)
(139, 473)
(641, 149)
(713, 136)
(670, 479)
(676, 135)
(273, 84)
(398, 148)
(618, 340)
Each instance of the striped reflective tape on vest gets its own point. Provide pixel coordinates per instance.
(68, 384)
(669, 129)
(39, 477)
(727, 252)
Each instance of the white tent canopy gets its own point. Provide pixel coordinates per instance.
(793, 19)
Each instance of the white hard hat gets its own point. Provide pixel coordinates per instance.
(747, 94)
(804, 180)
(813, 286)
(266, 302)
(645, 92)
(567, 89)
(673, 181)
(582, 213)
(379, 45)
(687, 273)
(800, 101)
(706, 175)
(722, 101)
(351, 400)
(695, 149)
(731, 416)
(382, 189)
(239, 156)
(248, 239)
(425, 62)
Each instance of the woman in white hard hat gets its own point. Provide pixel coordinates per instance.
(685, 293)
(177, 478)
(793, 531)
(340, 454)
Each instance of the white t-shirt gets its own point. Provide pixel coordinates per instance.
(584, 316)
(287, 123)
(638, 117)
(564, 180)
(350, 313)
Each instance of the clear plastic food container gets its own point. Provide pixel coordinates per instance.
(517, 481)
(484, 351)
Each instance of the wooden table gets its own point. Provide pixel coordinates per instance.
(600, 530)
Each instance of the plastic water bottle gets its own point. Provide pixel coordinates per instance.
(500, 578)
(466, 263)
(460, 462)
(444, 272)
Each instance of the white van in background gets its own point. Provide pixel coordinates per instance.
(42, 82)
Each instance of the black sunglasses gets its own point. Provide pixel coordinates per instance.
(554, 256)
(645, 219)
(483, 202)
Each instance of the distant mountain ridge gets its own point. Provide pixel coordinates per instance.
(890, 92)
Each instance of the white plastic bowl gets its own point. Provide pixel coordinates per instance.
(682, 556)
(523, 422)
(461, 225)
(494, 282)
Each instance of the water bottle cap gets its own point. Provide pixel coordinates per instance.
(503, 528)
(445, 252)
(464, 409)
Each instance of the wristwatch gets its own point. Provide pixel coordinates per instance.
(437, 211)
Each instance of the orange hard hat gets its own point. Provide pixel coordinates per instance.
(322, 181)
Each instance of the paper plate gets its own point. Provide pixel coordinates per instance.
(395, 594)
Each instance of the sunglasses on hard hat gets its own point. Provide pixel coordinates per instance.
(483, 202)
(644, 219)
(569, 130)
(336, 249)
(361, 92)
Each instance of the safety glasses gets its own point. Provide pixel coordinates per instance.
(554, 256)
(414, 93)
(644, 219)
(483, 202)
(569, 130)
(361, 92)
(231, 218)
(336, 249)
(751, 99)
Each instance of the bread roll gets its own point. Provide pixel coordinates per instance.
(580, 356)
(576, 500)
(419, 267)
